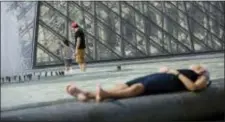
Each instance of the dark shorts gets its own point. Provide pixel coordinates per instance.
(158, 83)
(68, 62)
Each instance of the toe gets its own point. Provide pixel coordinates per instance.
(98, 93)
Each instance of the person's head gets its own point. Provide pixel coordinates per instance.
(74, 26)
(66, 42)
(198, 68)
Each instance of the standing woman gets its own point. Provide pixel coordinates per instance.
(68, 55)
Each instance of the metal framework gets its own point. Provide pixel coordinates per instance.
(127, 30)
(25, 13)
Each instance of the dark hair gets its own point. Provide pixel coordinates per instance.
(66, 42)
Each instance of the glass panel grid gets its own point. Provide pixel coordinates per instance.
(133, 29)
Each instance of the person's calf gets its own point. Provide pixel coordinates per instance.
(120, 86)
(90, 95)
(131, 91)
(83, 67)
(135, 90)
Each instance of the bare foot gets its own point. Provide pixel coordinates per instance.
(67, 88)
(99, 93)
(74, 91)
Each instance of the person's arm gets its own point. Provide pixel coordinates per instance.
(200, 83)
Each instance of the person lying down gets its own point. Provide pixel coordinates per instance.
(196, 77)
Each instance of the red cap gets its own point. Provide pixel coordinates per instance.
(74, 25)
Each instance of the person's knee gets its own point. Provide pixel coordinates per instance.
(71, 89)
(137, 89)
(121, 85)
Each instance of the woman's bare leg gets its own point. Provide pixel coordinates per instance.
(76, 92)
(134, 90)
(92, 95)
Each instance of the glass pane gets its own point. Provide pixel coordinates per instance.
(129, 32)
(176, 48)
(176, 15)
(199, 47)
(141, 42)
(217, 44)
(88, 6)
(27, 28)
(28, 34)
(167, 44)
(197, 15)
(26, 20)
(53, 20)
(184, 38)
(139, 22)
(217, 5)
(201, 5)
(181, 5)
(76, 14)
(90, 46)
(27, 50)
(109, 38)
(104, 53)
(59, 5)
(182, 20)
(136, 4)
(199, 31)
(89, 23)
(217, 15)
(154, 51)
(154, 14)
(131, 51)
(157, 4)
(155, 33)
(170, 27)
(171, 10)
(172, 46)
(208, 40)
(50, 41)
(108, 17)
(178, 33)
(126, 11)
(44, 59)
(128, 14)
(216, 29)
(102, 12)
(113, 5)
(174, 3)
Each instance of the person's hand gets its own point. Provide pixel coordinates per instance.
(75, 53)
(173, 71)
(163, 69)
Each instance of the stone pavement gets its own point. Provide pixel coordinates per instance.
(52, 90)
